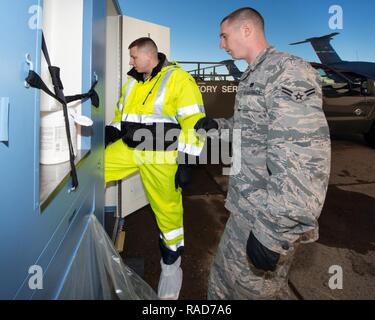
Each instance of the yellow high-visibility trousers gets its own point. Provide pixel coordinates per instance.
(157, 170)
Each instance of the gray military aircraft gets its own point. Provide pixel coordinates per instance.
(328, 56)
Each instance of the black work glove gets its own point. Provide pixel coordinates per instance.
(111, 134)
(183, 175)
(206, 124)
(261, 257)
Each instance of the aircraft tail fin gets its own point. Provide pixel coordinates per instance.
(232, 69)
(322, 46)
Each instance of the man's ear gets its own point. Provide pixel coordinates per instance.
(247, 29)
(148, 55)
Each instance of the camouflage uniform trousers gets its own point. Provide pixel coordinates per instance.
(233, 276)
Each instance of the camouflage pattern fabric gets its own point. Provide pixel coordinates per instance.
(233, 277)
(284, 155)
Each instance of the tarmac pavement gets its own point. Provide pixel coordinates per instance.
(347, 230)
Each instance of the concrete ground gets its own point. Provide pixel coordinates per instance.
(347, 229)
(347, 232)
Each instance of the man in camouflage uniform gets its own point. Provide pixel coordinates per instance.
(277, 195)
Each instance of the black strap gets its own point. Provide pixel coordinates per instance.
(34, 80)
(45, 51)
(58, 88)
(91, 94)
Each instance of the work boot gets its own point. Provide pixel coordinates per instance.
(170, 281)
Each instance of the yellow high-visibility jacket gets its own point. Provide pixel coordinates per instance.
(169, 96)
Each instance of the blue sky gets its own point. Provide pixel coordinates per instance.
(194, 25)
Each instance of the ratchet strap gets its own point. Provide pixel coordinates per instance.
(35, 81)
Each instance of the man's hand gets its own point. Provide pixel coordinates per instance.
(111, 134)
(206, 124)
(261, 257)
(183, 175)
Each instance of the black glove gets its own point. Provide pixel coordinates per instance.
(206, 124)
(183, 175)
(111, 134)
(261, 257)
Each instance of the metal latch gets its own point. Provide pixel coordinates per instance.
(31, 67)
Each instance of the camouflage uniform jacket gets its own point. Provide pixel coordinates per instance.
(284, 154)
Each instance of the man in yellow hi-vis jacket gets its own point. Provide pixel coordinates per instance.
(153, 127)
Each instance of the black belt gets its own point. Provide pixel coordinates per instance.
(151, 137)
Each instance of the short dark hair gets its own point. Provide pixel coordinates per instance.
(243, 14)
(144, 42)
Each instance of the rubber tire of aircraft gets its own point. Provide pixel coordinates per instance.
(370, 136)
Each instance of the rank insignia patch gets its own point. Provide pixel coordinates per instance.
(298, 96)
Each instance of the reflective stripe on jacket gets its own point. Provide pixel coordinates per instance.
(171, 96)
